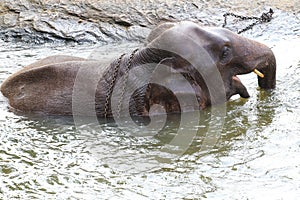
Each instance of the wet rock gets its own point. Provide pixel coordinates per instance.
(105, 21)
(28, 16)
(40, 21)
(8, 20)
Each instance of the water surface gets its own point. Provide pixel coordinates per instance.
(256, 155)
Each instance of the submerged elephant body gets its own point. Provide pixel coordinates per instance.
(176, 54)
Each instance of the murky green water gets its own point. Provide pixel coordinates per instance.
(256, 155)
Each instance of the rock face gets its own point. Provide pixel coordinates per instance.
(40, 21)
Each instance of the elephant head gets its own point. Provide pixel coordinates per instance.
(216, 50)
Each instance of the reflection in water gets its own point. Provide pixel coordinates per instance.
(270, 103)
(134, 149)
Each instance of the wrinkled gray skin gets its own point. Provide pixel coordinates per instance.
(46, 87)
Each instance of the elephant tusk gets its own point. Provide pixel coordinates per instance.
(261, 75)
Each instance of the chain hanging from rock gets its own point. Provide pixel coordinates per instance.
(265, 17)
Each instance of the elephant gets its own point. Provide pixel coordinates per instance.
(185, 67)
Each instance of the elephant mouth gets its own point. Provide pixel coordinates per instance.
(237, 87)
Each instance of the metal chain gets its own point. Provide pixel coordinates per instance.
(265, 17)
(111, 85)
(127, 68)
(113, 82)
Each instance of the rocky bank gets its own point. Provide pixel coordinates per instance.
(104, 21)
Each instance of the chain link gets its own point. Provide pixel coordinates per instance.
(127, 68)
(111, 85)
(265, 17)
(113, 82)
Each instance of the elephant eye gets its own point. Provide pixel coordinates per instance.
(226, 54)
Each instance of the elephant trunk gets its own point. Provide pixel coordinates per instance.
(269, 71)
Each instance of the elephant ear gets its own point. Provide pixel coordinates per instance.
(159, 30)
